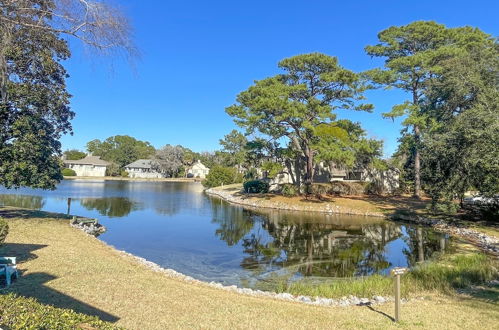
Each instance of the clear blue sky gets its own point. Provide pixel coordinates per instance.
(198, 55)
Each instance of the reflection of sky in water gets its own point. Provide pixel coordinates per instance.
(179, 227)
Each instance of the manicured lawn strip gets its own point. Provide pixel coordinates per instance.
(64, 267)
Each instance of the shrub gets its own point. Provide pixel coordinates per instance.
(443, 207)
(256, 187)
(113, 170)
(289, 190)
(26, 313)
(251, 174)
(346, 188)
(320, 189)
(375, 188)
(124, 174)
(4, 230)
(68, 172)
(220, 176)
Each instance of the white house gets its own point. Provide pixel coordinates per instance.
(323, 173)
(142, 168)
(88, 166)
(198, 170)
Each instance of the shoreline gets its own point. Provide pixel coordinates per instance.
(116, 178)
(255, 201)
(487, 243)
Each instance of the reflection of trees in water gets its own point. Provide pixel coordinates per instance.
(110, 206)
(24, 201)
(321, 249)
(421, 244)
(234, 222)
(294, 241)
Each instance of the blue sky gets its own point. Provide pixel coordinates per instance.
(198, 55)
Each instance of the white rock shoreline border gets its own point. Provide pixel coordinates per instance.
(317, 301)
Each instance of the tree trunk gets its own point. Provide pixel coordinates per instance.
(417, 165)
(309, 178)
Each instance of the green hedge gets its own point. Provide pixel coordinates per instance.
(256, 187)
(26, 313)
(222, 176)
(68, 172)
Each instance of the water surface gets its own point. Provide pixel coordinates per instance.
(177, 226)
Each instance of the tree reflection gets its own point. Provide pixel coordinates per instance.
(110, 206)
(320, 249)
(234, 222)
(23, 201)
(422, 244)
(315, 246)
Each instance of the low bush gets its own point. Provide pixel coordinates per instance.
(26, 313)
(443, 207)
(346, 188)
(220, 176)
(375, 188)
(320, 189)
(289, 190)
(68, 172)
(113, 170)
(256, 187)
(124, 174)
(4, 230)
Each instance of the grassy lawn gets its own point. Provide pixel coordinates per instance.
(62, 266)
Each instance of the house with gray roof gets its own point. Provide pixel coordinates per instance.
(88, 166)
(143, 168)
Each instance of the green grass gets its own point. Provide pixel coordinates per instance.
(443, 275)
(18, 312)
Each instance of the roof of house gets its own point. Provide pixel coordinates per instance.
(141, 163)
(199, 165)
(88, 160)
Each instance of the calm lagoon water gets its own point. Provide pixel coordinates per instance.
(177, 226)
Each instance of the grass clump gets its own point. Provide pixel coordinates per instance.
(443, 275)
(18, 312)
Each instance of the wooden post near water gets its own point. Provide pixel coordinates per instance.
(396, 272)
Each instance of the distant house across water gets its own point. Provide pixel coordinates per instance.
(198, 170)
(142, 168)
(88, 166)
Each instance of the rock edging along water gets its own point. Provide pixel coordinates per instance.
(486, 242)
(318, 301)
(327, 208)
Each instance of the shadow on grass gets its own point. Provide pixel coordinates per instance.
(380, 312)
(23, 252)
(10, 213)
(33, 284)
